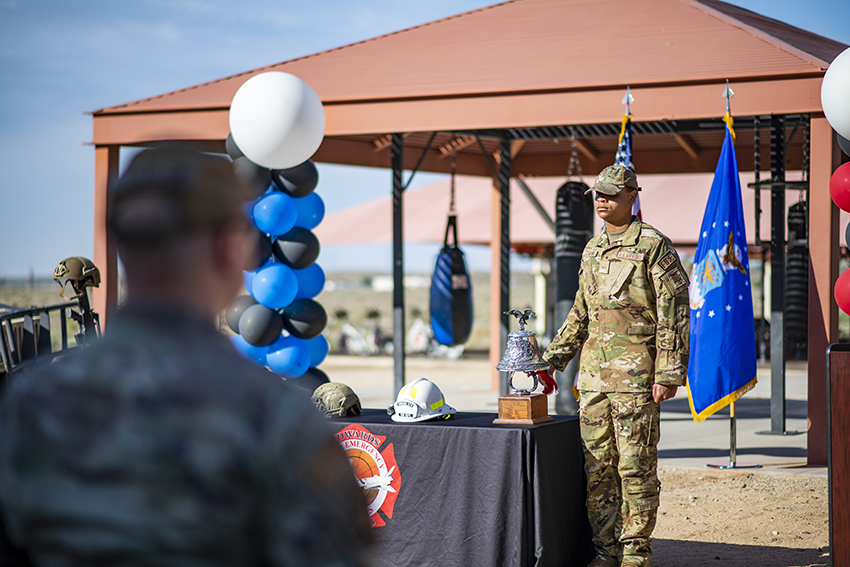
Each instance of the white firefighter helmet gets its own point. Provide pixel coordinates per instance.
(418, 401)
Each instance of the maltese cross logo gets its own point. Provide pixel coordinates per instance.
(376, 471)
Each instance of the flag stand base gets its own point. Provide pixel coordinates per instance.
(728, 466)
(769, 432)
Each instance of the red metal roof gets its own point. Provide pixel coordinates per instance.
(540, 46)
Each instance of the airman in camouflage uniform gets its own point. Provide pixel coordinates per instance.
(631, 322)
(159, 444)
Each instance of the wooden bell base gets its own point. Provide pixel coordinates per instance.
(523, 410)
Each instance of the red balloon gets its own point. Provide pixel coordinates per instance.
(839, 187)
(842, 291)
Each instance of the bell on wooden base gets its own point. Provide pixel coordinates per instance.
(523, 410)
(522, 354)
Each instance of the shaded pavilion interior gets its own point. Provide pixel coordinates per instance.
(509, 87)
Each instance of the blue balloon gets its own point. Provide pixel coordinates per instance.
(275, 286)
(311, 211)
(247, 279)
(257, 354)
(275, 213)
(288, 357)
(318, 348)
(248, 276)
(311, 281)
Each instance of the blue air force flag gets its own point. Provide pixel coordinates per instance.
(722, 365)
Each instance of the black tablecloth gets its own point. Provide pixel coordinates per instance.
(474, 493)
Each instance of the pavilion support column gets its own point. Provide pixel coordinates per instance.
(823, 271)
(777, 276)
(105, 297)
(500, 266)
(397, 158)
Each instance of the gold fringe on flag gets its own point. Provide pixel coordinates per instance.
(727, 119)
(719, 404)
(626, 118)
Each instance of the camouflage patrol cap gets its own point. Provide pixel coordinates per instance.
(612, 179)
(336, 400)
(170, 191)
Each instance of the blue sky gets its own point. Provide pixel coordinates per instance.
(62, 58)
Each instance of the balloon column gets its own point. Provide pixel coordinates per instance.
(839, 190)
(835, 99)
(277, 123)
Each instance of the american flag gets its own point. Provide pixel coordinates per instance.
(624, 155)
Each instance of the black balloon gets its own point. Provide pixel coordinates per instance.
(298, 248)
(264, 251)
(260, 326)
(232, 149)
(258, 178)
(311, 379)
(298, 181)
(305, 318)
(235, 310)
(844, 144)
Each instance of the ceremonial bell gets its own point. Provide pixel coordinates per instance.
(522, 355)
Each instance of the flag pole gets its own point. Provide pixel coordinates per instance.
(733, 448)
(733, 441)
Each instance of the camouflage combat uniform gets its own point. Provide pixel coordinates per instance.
(631, 315)
(160, 445)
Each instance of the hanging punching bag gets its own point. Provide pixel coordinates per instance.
(573, 229)
(451, 293)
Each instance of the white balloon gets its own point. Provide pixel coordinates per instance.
(835, 94)
(277, 120)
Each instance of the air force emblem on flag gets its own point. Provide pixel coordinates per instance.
(708, 275)
(711, 271)
(730, 255)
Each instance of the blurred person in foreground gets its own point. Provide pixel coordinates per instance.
(631, 315)
(159, 444)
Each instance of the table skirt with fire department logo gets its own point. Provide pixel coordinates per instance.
(467, 492)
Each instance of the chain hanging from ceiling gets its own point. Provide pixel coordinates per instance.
(575, 163)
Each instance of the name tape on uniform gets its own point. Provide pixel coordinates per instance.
(631, 256)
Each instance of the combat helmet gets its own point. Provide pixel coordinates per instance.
(80, 272)
(336, 400)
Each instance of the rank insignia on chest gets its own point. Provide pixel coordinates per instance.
(630, 256)
(603, 267)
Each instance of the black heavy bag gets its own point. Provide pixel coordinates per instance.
(451, 293)
(573, 229)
